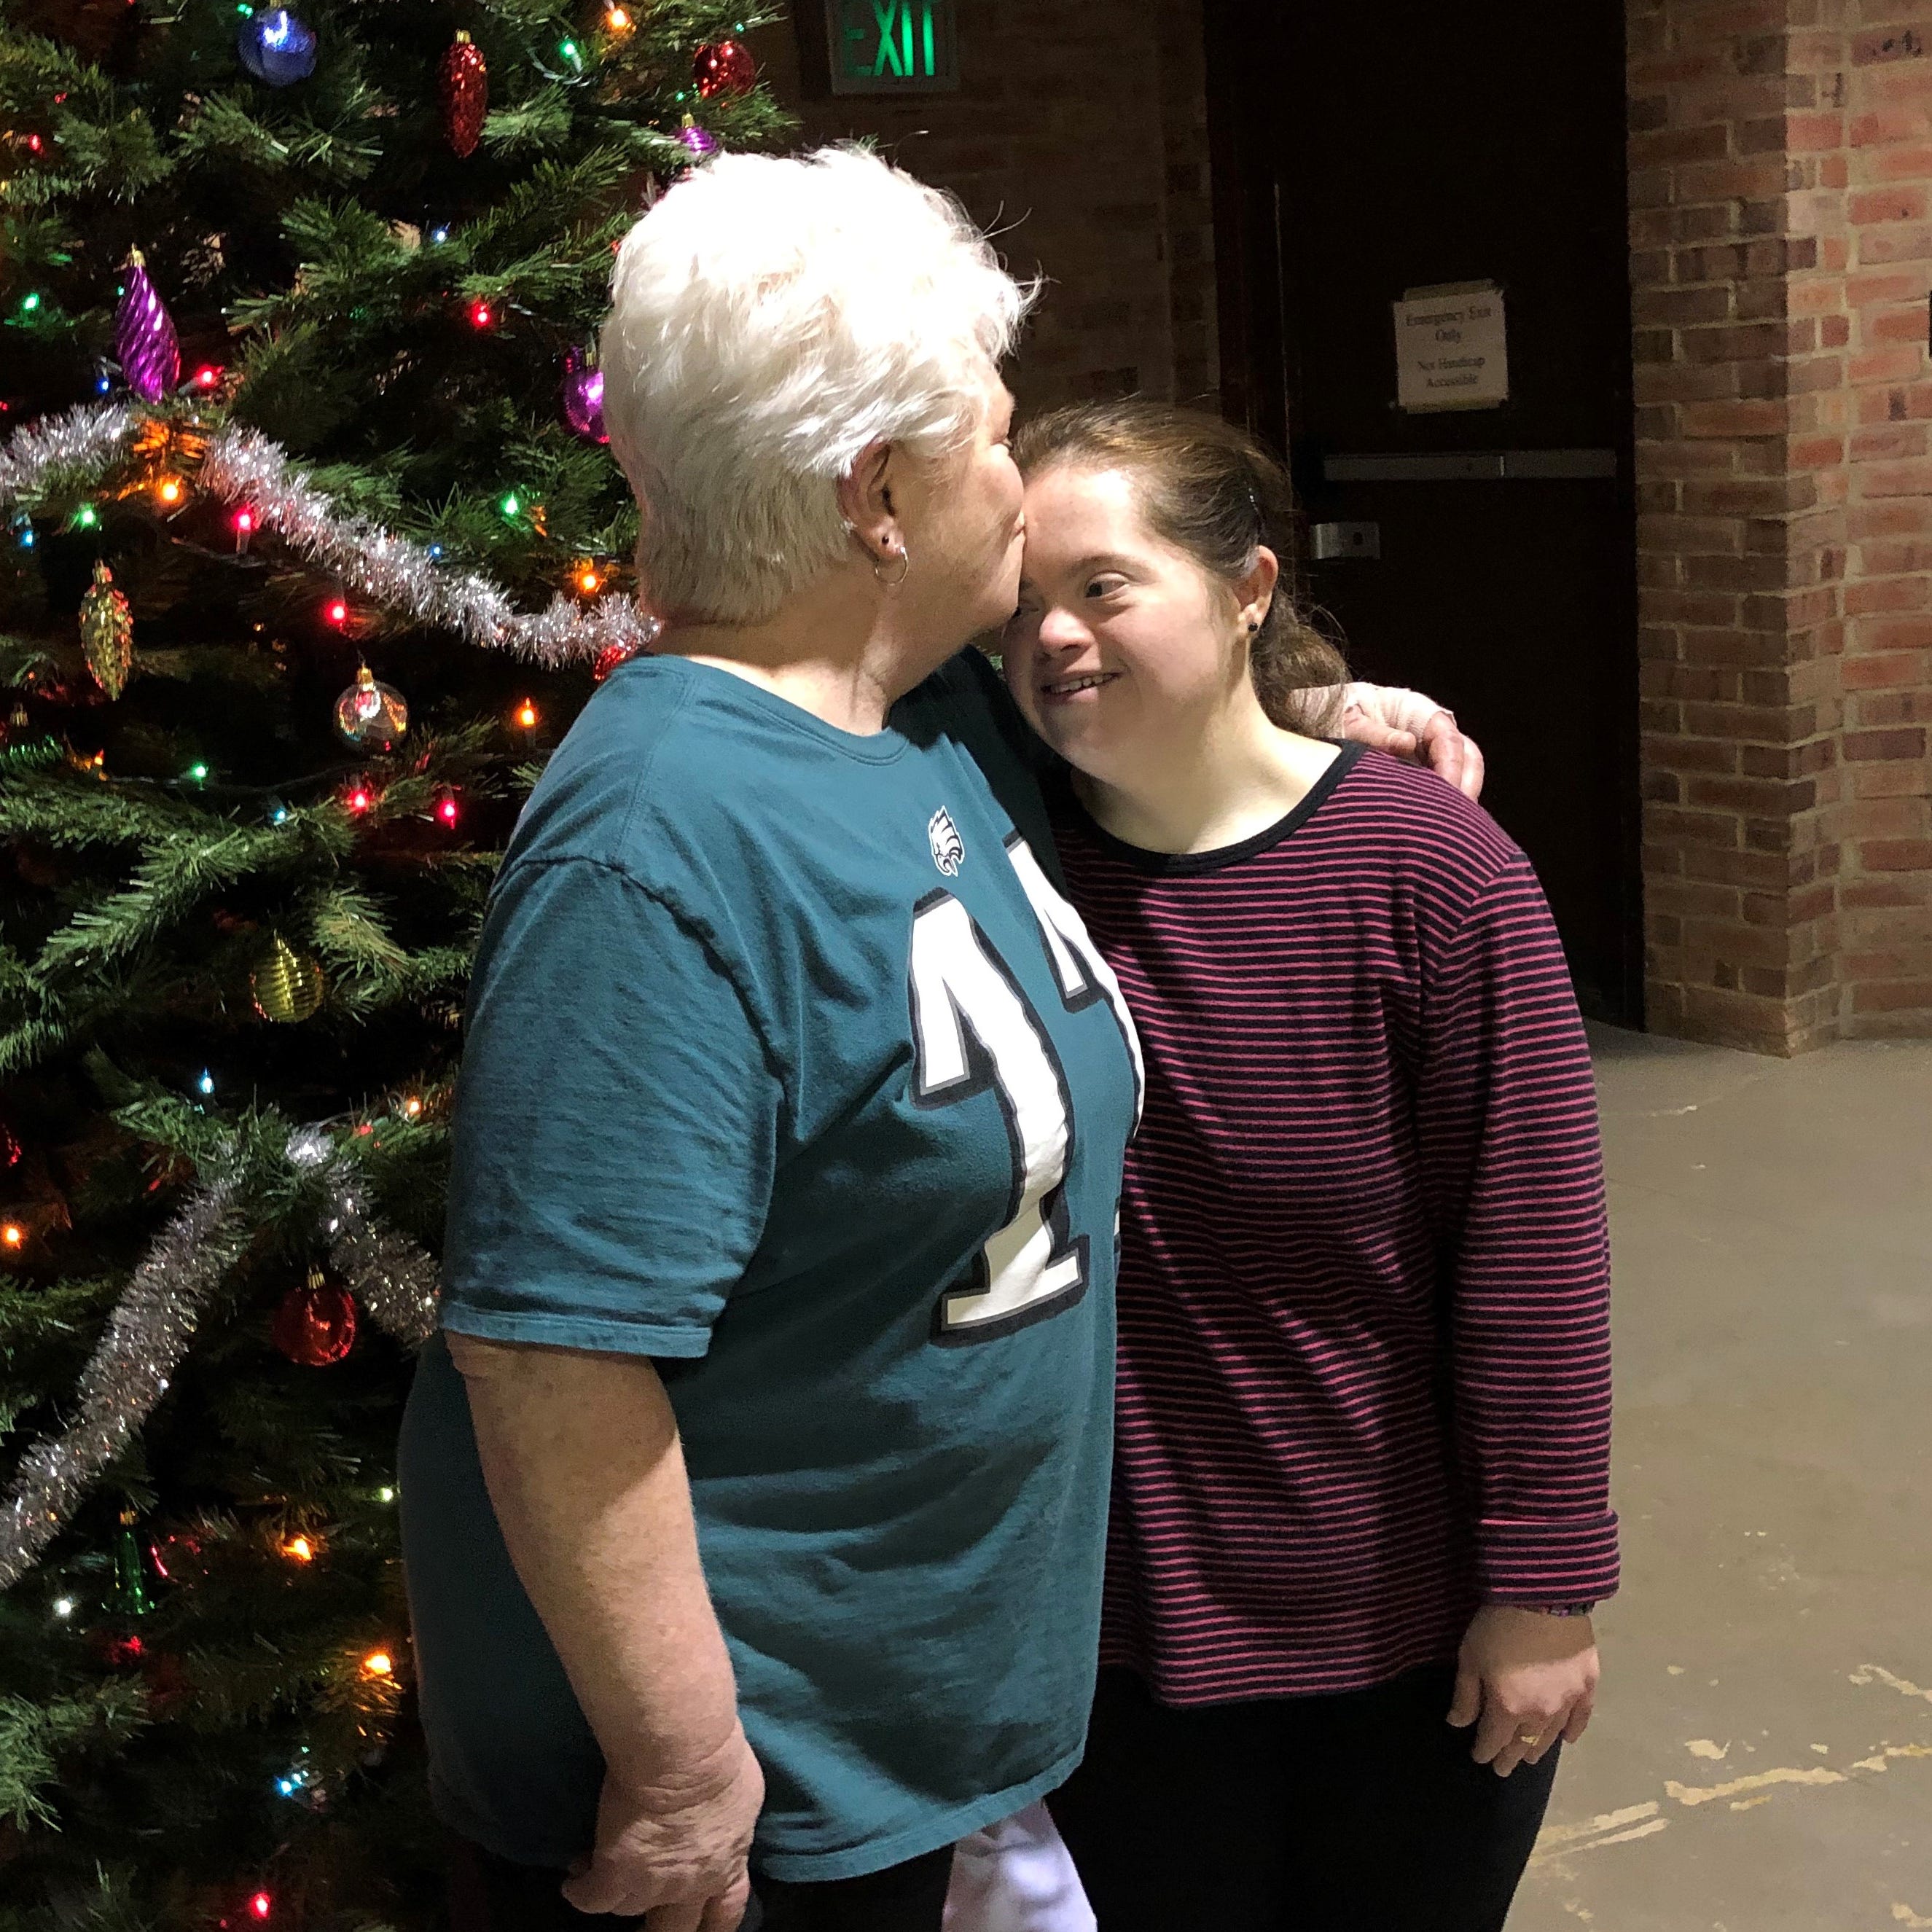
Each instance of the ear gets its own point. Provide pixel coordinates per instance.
(1255, 591)
(866, 501)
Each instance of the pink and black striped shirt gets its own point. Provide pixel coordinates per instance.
(1364, 1367)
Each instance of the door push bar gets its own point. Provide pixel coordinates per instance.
(1472, 465)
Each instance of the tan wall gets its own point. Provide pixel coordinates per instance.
(1079, 133)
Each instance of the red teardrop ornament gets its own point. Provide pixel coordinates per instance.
(462, 79)
(316, 1323)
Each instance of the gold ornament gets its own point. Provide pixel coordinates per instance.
(107, 633)
(164, 452)
(370, 716)
(286, 986)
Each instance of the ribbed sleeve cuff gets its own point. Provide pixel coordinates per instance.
(1538, 1561)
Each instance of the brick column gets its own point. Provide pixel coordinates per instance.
(1885, 889)
(1741, 534)
(1781, 269)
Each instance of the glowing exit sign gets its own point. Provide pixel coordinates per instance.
(893, 46)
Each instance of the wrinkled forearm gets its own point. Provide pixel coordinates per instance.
(585, 1473)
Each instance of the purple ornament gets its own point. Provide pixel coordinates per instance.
(276, 47)
(144, 337)
(583, 396)
(702, 145)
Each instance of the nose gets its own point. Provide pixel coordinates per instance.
(1060, 630)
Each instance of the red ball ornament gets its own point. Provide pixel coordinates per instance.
(316, 1323)
(609, 659)
(463, 79)
(723, 69)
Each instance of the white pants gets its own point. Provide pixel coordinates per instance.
(1015, 1876)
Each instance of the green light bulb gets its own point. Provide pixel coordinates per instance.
(31, 302)
(509, 505)
(85, 517)
(568, 50)
(197, 771)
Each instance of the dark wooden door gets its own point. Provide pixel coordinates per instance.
(1362, 152)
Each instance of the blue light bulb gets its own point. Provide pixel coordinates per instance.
(206, 1084)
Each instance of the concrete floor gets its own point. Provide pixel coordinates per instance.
(1761, 1757)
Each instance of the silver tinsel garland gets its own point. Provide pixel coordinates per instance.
(155, 1320)
(244, 468)
(392, 1276)
(83, 439)
(148, 1335)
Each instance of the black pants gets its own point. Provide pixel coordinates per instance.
(489, 1894)
(1359, 1813)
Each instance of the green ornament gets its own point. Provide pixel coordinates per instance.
(107, 633)
(129, 1596)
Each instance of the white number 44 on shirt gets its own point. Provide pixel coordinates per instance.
(964, 995)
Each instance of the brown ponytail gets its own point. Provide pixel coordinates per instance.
(1211, 490)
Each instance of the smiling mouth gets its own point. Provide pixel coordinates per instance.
(1068, 687)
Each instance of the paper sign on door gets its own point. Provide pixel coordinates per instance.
(1450, 348)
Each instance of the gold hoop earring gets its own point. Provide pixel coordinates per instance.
(905, 557)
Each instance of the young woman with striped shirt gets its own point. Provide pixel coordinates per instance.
(1361, 1511)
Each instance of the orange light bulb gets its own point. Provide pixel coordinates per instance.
(169, 490)
(379, 1663)
(299, 1550)
(13, 1234)
(413, 1107)
(526, 715)
(618, 20)
(589, 583)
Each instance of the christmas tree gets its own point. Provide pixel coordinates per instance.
(309, 547)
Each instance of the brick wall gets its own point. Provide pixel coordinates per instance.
(1880, 223)
(1781, 152)
(1078, 134)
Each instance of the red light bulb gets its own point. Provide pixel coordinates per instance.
(360, 798)
(207, 376)
(446, 809)
(480, 317)
(338, 612)
(261, 1905)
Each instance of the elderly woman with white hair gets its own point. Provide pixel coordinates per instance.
(754, 1493)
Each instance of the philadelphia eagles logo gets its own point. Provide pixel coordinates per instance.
(949, 849)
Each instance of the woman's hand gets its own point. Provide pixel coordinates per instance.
(1407, 725)
(1524, 1679)
(675, 1849)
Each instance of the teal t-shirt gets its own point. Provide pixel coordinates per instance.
(787, 1066)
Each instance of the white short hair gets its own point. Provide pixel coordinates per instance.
(770, 318)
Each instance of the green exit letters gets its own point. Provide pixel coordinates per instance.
(893, 46)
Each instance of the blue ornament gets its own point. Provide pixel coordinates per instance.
(277, 47)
